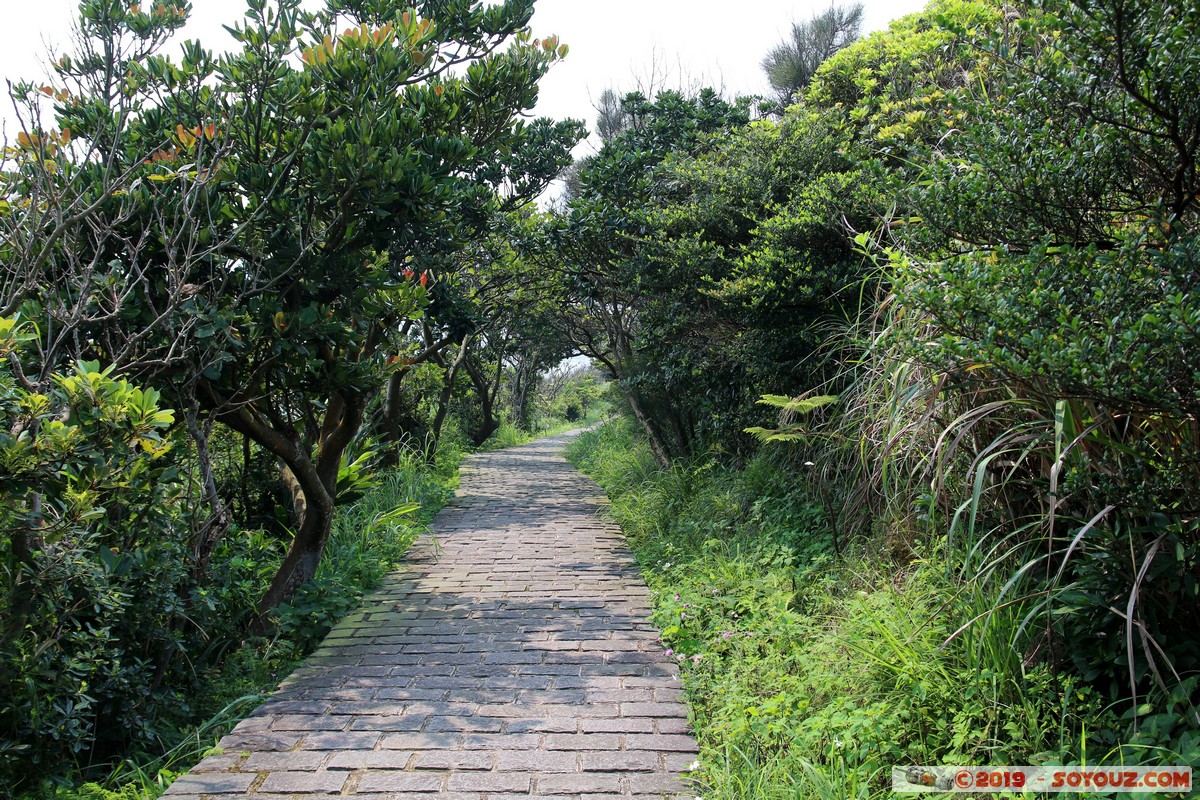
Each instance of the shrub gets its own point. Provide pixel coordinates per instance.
(94, 586)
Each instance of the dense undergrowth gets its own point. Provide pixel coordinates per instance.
(369, 536)
(811, 674)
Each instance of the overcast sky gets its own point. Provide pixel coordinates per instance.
(613, 42)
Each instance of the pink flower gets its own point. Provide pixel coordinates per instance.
(696, 658)
(726, 634)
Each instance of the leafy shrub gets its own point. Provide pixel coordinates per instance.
(1055, 265)
(94, 582)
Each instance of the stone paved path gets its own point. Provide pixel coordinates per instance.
(510, 657)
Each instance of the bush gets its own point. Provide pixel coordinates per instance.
(94, 589)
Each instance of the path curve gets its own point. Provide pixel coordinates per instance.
(510, 657)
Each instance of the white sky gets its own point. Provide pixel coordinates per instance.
(612, 41)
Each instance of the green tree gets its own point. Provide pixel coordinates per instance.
(750, 272)
(310, 168)
(597, 248)
(791, 65)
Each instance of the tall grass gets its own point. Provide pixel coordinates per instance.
(809, 674)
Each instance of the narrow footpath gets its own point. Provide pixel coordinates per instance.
(509, 657)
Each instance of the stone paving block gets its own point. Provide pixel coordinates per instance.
(213, 783)
(295, 760)
(465, 724)
(339, 740)
(259, 724)
(653, 710)
(407, 722)
(550, 725)
(454, 759)
(537, 761)
(381, 781)
(507, 741)
(582, 710)
(369, 759)
(222, 763)
(618, 725)
(489, 782)
(422, 741)
(676, 725)
(258, 741)
(310, 722)
(583, 741)
(293, 707)
(679, 762)
(303, 783)
(592, 782)
(655, 782)
(661, 742)
(620, 761)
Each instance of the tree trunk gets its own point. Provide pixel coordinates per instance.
(524, 376)
(213, 529)
(447, 393)
(658, 444)
(489, 424)
(394, 419)
(315, 479)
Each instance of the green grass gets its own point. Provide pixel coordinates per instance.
(809, 674)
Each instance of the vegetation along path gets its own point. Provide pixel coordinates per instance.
(511, 657)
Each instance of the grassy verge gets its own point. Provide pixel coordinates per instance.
(809, 674)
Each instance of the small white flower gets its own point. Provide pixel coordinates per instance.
(837, 742)
(809, 464)
(692, 767)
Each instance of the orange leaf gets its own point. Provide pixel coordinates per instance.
(48, 90)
